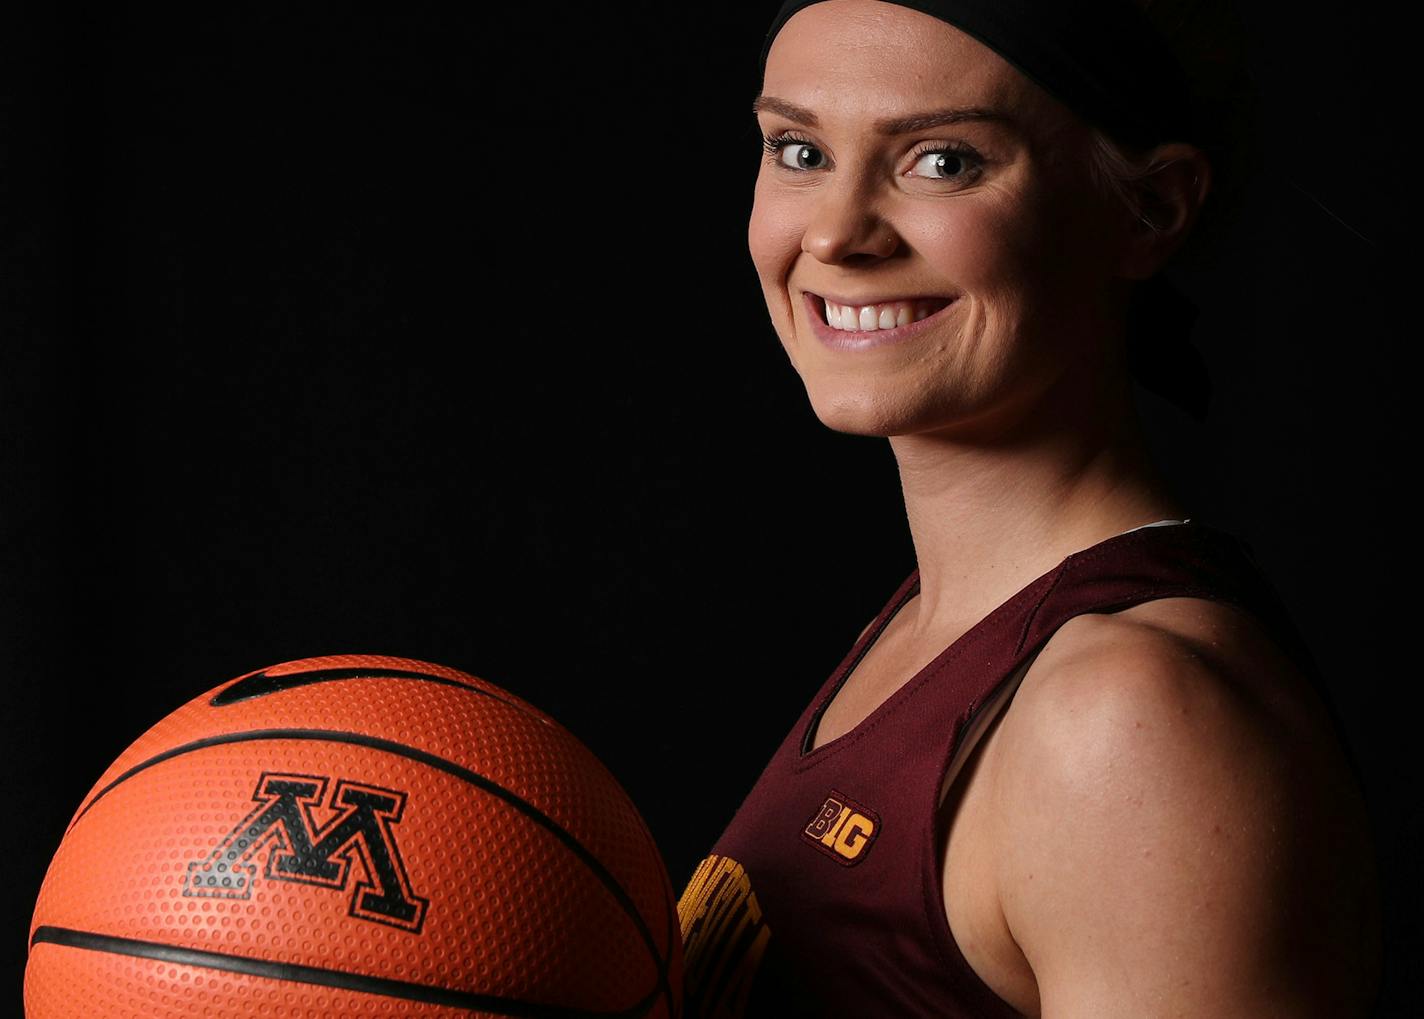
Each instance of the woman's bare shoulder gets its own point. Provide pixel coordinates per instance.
(1228, 647)
(1169, 803)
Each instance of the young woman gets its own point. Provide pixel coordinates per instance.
(1078, 765)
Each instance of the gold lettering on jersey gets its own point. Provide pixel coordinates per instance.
(724, 938)
(842, 829)
(854, 836)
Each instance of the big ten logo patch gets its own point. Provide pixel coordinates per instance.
(358, 837)
(842, 829)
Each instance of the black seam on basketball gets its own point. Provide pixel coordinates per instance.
(286, 971)
(259, 684)
(424, 757)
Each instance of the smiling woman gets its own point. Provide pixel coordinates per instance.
(1081, 763)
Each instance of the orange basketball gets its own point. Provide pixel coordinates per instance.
(355, 835)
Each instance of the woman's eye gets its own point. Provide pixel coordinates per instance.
(952, 163)
(775, 145)
(947, 164)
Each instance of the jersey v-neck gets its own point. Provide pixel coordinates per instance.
(897, 601)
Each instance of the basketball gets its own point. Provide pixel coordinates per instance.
(355, 835)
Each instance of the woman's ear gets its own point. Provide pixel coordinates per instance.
(1169, 197)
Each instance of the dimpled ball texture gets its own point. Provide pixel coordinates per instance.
(355, 835)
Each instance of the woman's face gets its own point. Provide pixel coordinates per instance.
(995, 211)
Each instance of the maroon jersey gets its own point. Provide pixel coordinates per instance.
(824, 895)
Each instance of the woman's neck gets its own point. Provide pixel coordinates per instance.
(988, 517)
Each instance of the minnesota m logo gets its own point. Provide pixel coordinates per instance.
(303, 851)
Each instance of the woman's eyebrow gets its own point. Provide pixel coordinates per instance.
(887, 125)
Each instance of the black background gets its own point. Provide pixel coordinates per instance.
(437, 336)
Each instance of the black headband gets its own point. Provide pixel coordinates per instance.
(1101, 58)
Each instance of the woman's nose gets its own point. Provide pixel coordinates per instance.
(844, 226)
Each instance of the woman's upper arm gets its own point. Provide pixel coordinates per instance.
(1165, 845)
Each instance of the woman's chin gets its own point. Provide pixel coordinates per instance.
(888, 414)
(861, 413)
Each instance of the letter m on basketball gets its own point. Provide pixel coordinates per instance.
(299, 849)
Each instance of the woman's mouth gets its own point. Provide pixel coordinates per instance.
(856, 327)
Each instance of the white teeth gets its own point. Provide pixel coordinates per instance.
(870, 317)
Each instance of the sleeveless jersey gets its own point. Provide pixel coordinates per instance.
(824, 897)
